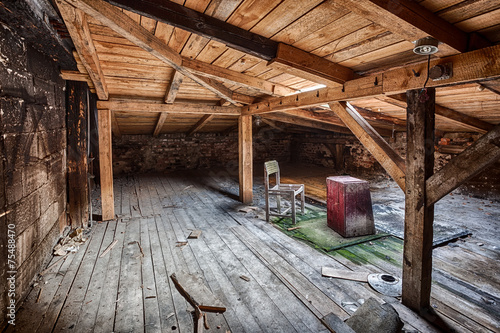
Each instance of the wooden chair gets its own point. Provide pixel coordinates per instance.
(288, 191)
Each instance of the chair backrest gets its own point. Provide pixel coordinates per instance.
(270, 168)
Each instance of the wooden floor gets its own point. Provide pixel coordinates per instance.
(129, 290)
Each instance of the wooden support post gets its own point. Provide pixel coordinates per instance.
(245, 159)
(106, 165)
(78, 194)
(417, 253)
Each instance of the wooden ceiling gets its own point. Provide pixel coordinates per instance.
(160, 78)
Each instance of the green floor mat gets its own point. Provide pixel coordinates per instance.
(314, 230)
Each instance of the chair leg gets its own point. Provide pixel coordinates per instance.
(293, 209)
(303, 200)
(267, 207)
(278, 203)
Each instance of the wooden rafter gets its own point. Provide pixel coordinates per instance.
(373, 142)
(398, 124)
(153, 106)
(173, 87)
(467, 67)
(304, 64)
(135, 33)
(76, 22)
(159, 123)
(272, 124)
(482, 153)
(200, 124)
(411, 21)
(232, 77)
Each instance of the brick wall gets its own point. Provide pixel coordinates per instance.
(167, 152)
(33, 150)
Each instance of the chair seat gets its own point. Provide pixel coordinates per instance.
(287, 188)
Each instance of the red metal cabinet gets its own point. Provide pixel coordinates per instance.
(349, 206)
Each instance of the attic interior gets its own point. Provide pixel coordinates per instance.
(128, 125)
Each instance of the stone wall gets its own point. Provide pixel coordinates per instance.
(33, 164)
(168, 152)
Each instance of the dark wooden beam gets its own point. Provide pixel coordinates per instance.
(372, 141)
(417, 252)
(481, 154)
(200, 124)
(77, 166)
(201, 24)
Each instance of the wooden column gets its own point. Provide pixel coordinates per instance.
(245, 158)
(106, 165)
(78, 194)
(417, 259)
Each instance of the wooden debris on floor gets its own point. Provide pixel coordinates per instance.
(70, 243)
(195, 234)
(345, 274)
(110, 246)
(199, 296)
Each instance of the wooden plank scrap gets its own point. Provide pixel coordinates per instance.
(344, 274)
(195, 234)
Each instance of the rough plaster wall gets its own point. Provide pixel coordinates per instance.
(33, 150)
(145, 153)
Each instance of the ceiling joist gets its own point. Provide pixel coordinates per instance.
(467, 67)
(131, 105)
(173, 87)
(200, 124)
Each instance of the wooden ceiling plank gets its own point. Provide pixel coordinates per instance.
(233, 77)
(410, 21)
(285, 118)
(173, 87)
(132, 105)
(134, 32)
(477, 124)
(159, 123)
(477, 157)
(309, 66)
(200, 124)
(79, 31)
(372, 141)
(202, 24)
(467, 67)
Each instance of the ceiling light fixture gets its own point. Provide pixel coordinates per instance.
(426, 46)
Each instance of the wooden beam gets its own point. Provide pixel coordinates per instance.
(410, 21)
(372, 141)
(233, 77)
(467, 67)
(77, 166)
(204, 25)
(417, 252)
(199, 125)
(76, 22)
(114, 126)
(398, 124)
(300, 121)
(475, 123)
(245, 159)
(74, 76)
(132, 105)
(272, 124)
(309, 66)
(159, 123)
(222, 88)
(106, 164)
(173, 87)
(477, 157)
(135, 33)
